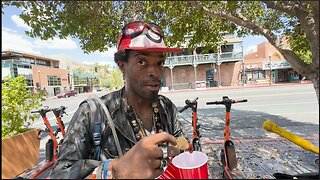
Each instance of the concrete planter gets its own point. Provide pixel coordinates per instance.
(19, 153)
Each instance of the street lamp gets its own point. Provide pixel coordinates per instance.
(270, 69)
(39, 78)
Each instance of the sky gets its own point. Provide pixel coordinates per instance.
(14, 38)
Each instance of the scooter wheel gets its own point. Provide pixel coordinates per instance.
(49, 150)
(222, 158)
(224, 174)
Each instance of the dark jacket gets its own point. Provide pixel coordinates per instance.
(74, 159)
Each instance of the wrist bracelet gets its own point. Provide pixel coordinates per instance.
(105, 168)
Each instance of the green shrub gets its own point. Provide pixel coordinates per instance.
(17, 104)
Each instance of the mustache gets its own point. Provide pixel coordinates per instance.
(152, 81)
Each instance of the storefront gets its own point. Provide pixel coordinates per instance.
(281, 71)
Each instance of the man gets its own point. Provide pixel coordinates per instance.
(143, 119)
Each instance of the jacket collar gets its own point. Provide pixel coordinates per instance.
(115, 104)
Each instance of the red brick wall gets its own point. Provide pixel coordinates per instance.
(45, 71)
(262, 55)
(229, 73)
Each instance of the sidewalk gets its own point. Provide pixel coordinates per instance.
(240, 86)
(260, 159)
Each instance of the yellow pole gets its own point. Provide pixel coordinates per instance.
(273, 127)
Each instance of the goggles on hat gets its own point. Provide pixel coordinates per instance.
(152, 41)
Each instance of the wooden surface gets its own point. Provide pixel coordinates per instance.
(19, 153)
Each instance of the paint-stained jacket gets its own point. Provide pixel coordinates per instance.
(74, 160)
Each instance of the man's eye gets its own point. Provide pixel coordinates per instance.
(141, 62)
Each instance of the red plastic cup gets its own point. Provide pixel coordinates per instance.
(191, 165)
(171, 172)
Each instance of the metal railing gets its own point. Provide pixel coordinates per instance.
(203, 58)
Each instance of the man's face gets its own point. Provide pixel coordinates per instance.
(143, 73)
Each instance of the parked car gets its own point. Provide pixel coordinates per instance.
(67, 93)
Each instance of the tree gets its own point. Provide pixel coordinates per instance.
(103, 71)
(17, 103)
(292, 27)
(79, 69)
(115, 79)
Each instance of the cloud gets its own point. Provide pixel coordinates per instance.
(8, 30)
(109, 53)
(16, 42)
(56, 43)
(19, 22)
(100, 62)
(249, 49)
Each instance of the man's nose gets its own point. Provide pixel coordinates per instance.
(154, 71)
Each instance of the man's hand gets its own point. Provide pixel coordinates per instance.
(143, 160)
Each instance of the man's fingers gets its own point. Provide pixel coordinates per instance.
(156, 152)
(158, 172)
(156, 163)
(161, 137)
(173, 151)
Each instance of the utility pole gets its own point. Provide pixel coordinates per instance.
(270, 69)
(243, 68)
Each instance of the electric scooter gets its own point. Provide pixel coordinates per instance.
(228, 153)
(41, 170)
(51, 145)
(196, 144)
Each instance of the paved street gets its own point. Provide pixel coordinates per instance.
(293, 107)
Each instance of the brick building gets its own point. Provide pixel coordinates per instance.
(258, 70)
(192, 69)
(47, 73)
(40, 72)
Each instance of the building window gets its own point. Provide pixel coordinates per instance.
(29, 80)
(259, 74)
(54, 80)
(42, 62)
(80, 81)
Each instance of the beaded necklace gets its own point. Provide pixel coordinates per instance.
(137, 124)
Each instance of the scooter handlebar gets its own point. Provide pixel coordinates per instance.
(214, 102)
(223, 102)
(44, 108)
(184, 108)
(239, 101)
(188, 104)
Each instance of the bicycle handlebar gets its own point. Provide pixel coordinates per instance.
(188, 104)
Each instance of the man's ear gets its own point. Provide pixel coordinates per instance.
(122, 66)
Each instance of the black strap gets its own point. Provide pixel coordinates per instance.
(95, 114)
(111, 124)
